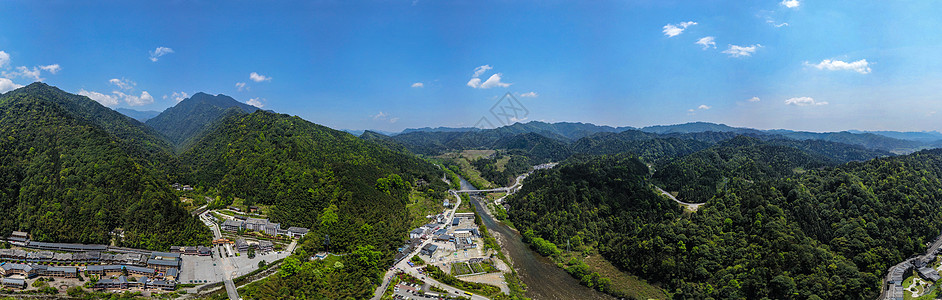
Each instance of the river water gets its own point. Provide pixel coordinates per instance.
(543, 278)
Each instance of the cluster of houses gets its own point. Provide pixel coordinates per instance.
(920, 265)
(156, 269)
(262, 225)
(181, 187)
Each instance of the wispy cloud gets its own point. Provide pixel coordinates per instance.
(24, 72)
(54, 68)
(160, 51)
(529, 95)
(672, 30)
(804, 101)
(480, 70)
(860, 66)
(259, 77)
(740, 51)
(381, 116)
(124, 83)
(706, 42)
(703, 107)
(241, 86)
(777, 25)
(4, 59)
(257, 102)
(179, 96)
(790, 3)
(418, 85)
(753, 99)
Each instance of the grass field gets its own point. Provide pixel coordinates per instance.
(475, 154)
(625, 283)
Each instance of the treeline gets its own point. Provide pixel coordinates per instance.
(827, 233)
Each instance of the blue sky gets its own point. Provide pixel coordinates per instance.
(388, 65)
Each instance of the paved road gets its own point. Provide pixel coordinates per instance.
(225, 263)
(690, 206)
(404, 265)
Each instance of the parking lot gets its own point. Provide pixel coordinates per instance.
(207, 269)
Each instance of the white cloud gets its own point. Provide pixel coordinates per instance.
(493, 81)
(790, 3)
(258, 77)
(124, 83)
(393, 120)
(106, 100)
(257, 102)
(4, 59)
(474, 82)
(241, 86)
(24, 72)
(160, 51)
(529, 95)
(7, 85)
(753, 99)
(804, 101)
(418, 85)
(480, 70)
(706, 42)
(703, 107)
(860, 66)
(179, 96)
(740, 51)
(51, 68)
(672, 30)
(132, 100)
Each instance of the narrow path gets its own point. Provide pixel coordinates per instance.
(689, 206)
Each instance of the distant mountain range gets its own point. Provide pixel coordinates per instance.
(443, 138)
(140, 115)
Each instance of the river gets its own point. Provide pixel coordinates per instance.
(543, 278)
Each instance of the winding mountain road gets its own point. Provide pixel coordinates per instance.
(690, 206)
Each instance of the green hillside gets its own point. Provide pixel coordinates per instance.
(74, 170)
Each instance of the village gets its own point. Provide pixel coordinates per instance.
(242, 244)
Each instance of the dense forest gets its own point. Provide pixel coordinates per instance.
(826, 233)
(73, 171)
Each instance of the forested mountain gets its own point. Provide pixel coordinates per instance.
(73, 171)
(140, 140)
(140, 116)
(829, 233)
(193, 115)
(698, 176)
(302, 169)
(353, 191)
(384, 141)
